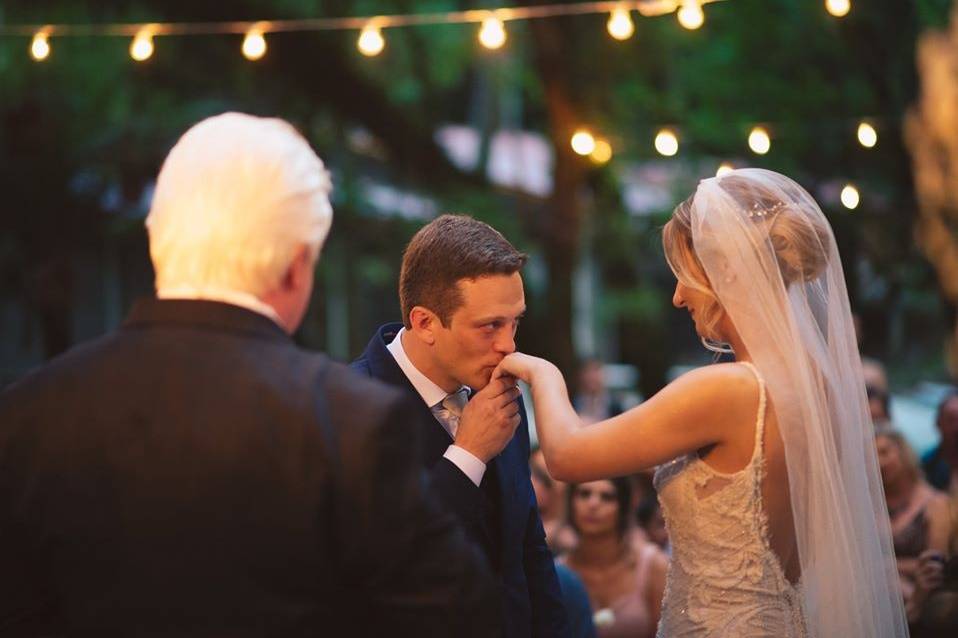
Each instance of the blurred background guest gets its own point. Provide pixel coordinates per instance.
(576, 601)
(551, 497)
(875, 375)
(879, 405)
(623, 574)
(935, 598)
(652, 522)
(941, 463)
(920, 515)
(593, 401)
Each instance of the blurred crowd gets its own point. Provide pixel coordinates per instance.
(612, 547)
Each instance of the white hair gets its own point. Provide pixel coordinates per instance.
(236, 198)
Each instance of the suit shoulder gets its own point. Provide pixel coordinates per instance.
(77, 361)
(345, 386)
(361, 366)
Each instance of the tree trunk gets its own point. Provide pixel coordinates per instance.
(562, 222)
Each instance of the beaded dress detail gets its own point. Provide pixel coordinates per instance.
(724, 579)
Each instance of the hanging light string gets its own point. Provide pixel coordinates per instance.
(647, 8)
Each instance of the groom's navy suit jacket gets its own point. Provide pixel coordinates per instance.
(501, 514)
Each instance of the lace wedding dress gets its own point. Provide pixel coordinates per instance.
(724, 579)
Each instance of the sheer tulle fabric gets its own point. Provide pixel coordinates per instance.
(799, 333)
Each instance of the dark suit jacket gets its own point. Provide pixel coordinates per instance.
(502, 515)
(197, 474)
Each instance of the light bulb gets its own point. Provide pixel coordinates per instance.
(724, 169)
(40, 47)
(142, 46)
(867, 135)
(666, 143)
(838, 8)
(690, 15)
(371, 42)
(492, 34)
(602, 152)
(850, 197)
(620, 24)
(254, 45)
(759, 141)
(582, 142)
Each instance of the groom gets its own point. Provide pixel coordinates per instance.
(461, 297)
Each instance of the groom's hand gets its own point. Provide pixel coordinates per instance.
(489, 419)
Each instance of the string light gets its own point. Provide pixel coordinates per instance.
(867, 135)
(254, 44)
(666, 143)
(40, 46)
(583, 143)
(759, 141)
(371, 42)
(724, 169)
(602, 152)
(142, 46)
(838, 8)
(492, 34)
(850, 197)
(690, 14)
(620, 24)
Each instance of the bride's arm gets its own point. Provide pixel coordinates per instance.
(697, 410)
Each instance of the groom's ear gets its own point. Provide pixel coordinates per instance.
(424, 323)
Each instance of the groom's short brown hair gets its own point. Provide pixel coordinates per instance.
(444, 251)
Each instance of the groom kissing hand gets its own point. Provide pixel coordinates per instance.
(461, 295)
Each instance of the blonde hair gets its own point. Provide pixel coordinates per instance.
(799, 242)
(236, 198)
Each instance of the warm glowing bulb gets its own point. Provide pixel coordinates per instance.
(602, 152)
(759, 141)
(40, 47)
(724, 169)
(492, 34)
(666, 143)
(371, 42)
(142, 46)
(582, 142)
(867, 135)
(254, 45)
(850, 197)
(690, 15)
(620, 24)
(838, 8)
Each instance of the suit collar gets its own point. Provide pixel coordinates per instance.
(202, 314)
(381, 363)
(383, 366)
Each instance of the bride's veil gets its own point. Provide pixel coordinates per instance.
(772, 261)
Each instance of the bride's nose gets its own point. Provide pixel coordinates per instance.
(677, 299)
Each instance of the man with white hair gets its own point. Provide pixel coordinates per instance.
(195, 473)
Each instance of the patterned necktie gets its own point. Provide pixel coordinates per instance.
(450, 409)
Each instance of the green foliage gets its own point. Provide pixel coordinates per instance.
(99, 120)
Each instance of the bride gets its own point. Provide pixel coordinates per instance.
(767, 472)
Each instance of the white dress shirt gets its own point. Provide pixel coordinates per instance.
(433, 395)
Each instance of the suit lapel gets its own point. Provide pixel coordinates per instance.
(383, 366)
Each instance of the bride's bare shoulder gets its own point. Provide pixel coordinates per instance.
(729, 382)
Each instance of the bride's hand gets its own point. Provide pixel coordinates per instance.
(518, 365)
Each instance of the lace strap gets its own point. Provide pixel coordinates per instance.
(762, 404)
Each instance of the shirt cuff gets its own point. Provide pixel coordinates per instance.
(466, 462)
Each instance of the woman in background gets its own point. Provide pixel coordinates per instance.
(623, 574)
